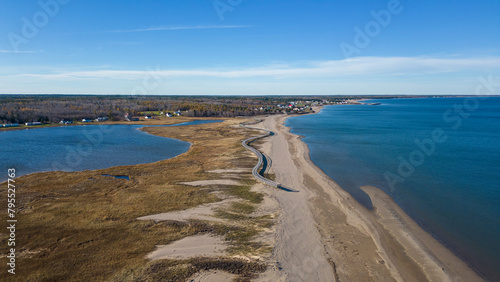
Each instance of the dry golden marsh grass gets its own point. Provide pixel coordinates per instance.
(83, 226)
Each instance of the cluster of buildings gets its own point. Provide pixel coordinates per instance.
(177, 113)
(10, 125)
(284, 108)
(17, 124)
(128, 117)
(85, 120)
(36, 123)
(99, 119)
(295, 106)
(302, 106)
(33, 123)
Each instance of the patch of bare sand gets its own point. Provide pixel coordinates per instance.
(193, 246)
(212, 276)
(211, 182)
(202, 212)
(229, 170)
(269, 206)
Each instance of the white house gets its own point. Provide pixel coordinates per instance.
(33, 123)
(101, 119)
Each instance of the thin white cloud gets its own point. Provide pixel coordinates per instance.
(18, 51)
(161, 28)
(362, 66)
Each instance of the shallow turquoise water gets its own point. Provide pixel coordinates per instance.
(449, 184)
(75, 148)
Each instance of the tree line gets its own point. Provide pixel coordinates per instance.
(54, 108)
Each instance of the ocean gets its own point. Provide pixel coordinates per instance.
(438, 158)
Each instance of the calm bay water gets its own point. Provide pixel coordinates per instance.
(450, 184)
(75, 148)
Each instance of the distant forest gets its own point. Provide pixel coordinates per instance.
(54, 108)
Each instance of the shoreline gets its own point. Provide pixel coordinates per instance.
(385, 241)
(145, 123)
(141, 129)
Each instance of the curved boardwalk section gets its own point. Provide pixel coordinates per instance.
(255, 170)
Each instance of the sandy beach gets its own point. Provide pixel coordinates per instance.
(323, 234)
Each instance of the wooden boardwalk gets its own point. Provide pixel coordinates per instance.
(255, 170)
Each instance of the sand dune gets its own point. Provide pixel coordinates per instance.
(201, 245)
(229, 170)
(211, 182)
(202, 212)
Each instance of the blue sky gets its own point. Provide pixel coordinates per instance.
(251, 47)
